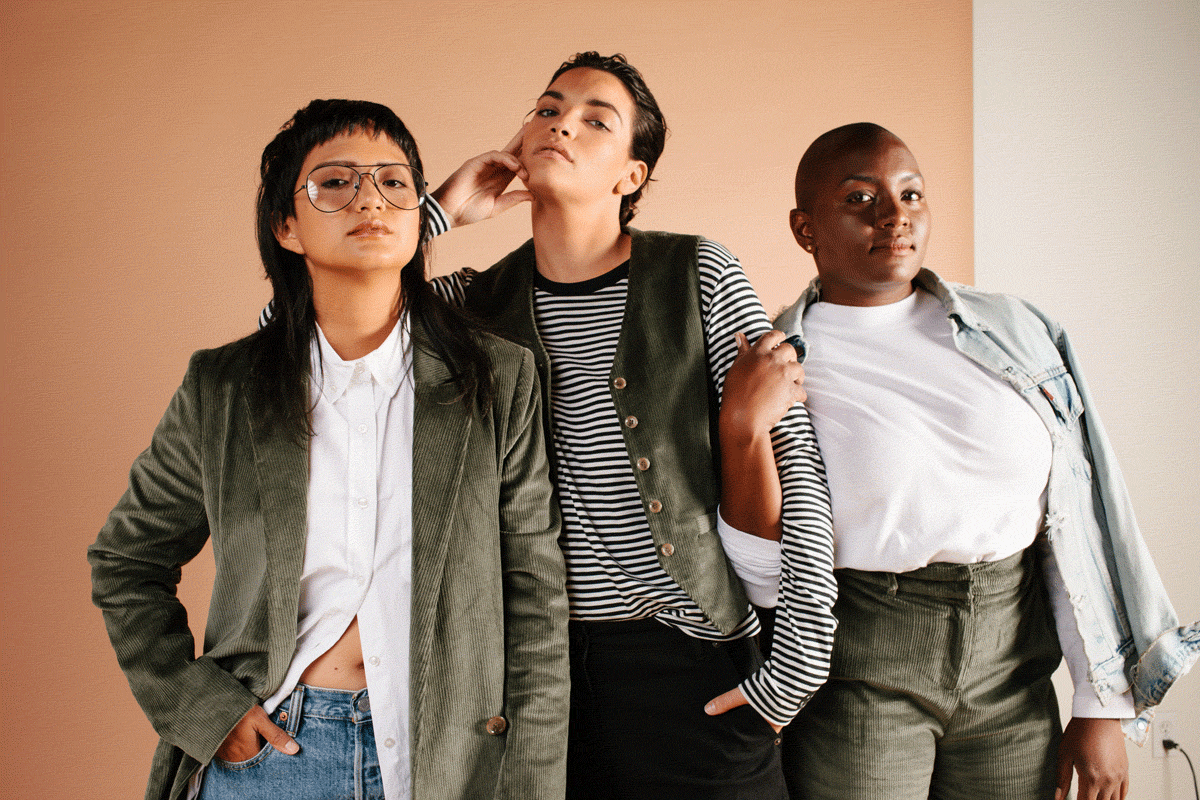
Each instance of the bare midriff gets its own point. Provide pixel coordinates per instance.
(341, 666)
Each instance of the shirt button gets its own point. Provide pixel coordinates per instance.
(362, 428)
(497, 725)
(643, 464)
(631, 421)
(360, 579)
(389, 742)
(619, 383)
(373, 661)
(655, 506)
(668, 549)
(362, 502)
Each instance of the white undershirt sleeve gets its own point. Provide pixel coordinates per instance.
(755, 560)
(1085, 703)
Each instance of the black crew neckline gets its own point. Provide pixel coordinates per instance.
(590, 286)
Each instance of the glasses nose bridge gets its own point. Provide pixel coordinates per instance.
(358, 185)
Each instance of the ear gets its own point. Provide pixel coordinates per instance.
(802, 229)
(634, 178)
(285, 234)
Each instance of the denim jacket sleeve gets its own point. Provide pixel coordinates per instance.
(1131, 633)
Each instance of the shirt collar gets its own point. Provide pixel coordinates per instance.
(388, 365)
(790, 321)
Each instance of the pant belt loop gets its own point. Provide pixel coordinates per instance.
(295, 709)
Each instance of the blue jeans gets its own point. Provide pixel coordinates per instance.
(337, 758)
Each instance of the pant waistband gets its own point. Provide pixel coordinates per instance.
(951, 581)
(315, 701)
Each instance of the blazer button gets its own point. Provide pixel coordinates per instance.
(655, 506)
(631, 421)
(643, 464)
(497, 725)
(668, 549)
(619, 383)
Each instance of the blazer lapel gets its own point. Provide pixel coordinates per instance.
(281, 465)
(441, 431)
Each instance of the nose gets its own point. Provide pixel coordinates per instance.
(368, 195)
(890, 212)
(562, 126)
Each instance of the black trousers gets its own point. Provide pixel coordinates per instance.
(638, 727)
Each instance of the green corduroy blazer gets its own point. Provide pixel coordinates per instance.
(489, 608)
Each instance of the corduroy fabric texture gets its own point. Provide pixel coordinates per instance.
(489, 626)
(939, 688)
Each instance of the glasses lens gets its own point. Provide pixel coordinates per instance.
(332, 188)
(400, 184)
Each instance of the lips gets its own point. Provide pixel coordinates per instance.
(556, 149)
(371, 227)
(893, 246)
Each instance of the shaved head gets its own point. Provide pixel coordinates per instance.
(827, 148)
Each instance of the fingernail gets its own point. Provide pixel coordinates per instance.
(291, 747)
(711, 708)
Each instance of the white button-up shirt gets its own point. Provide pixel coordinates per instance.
(358, 555)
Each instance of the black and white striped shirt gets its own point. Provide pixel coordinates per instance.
(613, 571)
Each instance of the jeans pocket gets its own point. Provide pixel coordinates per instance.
(253, 761)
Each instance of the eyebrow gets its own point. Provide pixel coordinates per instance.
(341, 162)
(873, 179)
(592, 102)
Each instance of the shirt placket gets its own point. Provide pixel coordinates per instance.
(361, 477)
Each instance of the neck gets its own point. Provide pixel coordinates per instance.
(356, 312)
(577, 243)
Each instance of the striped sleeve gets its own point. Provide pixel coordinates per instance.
(804, 621)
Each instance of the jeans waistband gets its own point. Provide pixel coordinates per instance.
(314, 701)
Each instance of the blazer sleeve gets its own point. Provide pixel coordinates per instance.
(537, 672)
(159, 525)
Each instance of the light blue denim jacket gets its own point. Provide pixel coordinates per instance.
(1131, 634)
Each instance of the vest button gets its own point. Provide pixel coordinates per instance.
(497, 725)
(655, 506)
(631, 421)
(643, 464)
(668, 549)
(619, 383)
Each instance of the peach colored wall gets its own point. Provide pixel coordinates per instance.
(131, 134)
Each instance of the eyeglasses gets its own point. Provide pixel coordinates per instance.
(334, 186)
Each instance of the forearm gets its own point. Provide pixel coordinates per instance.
(751, 495)
(804, 621)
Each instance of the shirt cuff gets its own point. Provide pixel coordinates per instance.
(1087, 705)
(755, 560)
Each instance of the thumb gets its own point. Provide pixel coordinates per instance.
(509, 199)
(1064, 769)
(276, 736)
(742, 346)
(731, 699)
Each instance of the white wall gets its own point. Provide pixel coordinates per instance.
(1087, 203)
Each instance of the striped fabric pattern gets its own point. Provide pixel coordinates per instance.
(613, 570)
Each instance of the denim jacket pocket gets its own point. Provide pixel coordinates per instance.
(1058, 387)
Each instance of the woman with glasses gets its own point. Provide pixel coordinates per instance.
(388, 617)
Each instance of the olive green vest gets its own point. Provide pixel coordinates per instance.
(665, 400)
